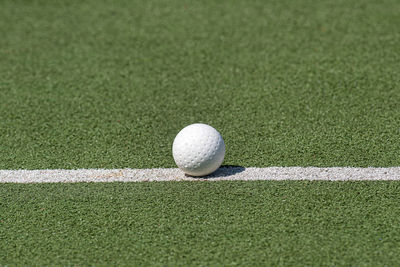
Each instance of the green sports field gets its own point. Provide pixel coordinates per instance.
(108, 84)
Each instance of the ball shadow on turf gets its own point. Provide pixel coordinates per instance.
(223, 171)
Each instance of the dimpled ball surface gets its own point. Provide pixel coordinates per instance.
(198, 149)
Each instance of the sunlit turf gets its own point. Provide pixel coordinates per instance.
(104, 84)
(200, 223)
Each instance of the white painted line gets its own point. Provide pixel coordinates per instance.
(223, 173)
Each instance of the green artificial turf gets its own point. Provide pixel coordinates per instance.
(200, 224)
(108, 84)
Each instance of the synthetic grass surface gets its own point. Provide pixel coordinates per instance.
(108, 84)
(201, 223)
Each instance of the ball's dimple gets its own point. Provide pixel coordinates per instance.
(198, 149)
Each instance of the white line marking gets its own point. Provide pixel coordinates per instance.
(223, 173)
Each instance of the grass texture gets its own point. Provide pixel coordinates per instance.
(200, 224)
(108, 84)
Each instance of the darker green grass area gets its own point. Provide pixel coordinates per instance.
(200, 223)
(108, 84)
